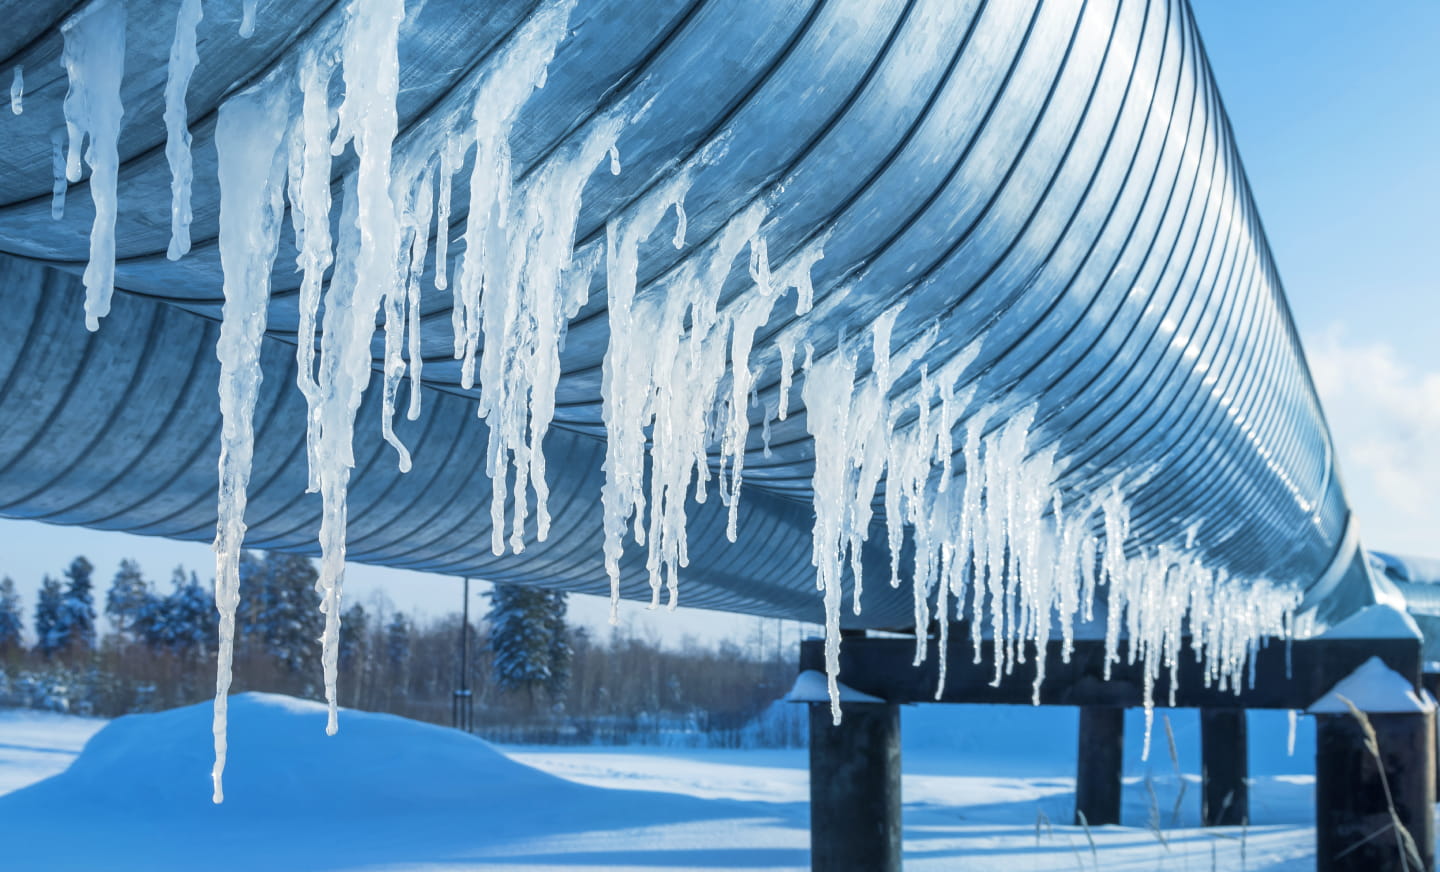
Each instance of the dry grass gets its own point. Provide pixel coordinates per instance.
(1405, 845)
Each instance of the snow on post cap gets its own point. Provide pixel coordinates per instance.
(810, 686)
(1374, 688)
(1378, 621)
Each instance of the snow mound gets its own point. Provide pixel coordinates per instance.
(280, 756)
(383, 790)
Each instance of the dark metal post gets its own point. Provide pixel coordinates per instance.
(1224, 768)
(855, 788)
(1355, 827)
(462, 709)
(1099, 765)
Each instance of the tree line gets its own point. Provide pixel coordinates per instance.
(530, 675)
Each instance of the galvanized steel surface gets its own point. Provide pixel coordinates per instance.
(1056, 177)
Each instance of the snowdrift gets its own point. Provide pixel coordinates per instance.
(384, 790)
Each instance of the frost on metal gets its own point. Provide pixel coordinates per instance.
(995, 535)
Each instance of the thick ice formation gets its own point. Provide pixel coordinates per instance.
(17, 90)
(1029, 561)
(998, 539)
(249, 136)
(370, 251)
(518, 247)
(309, 190)
(94, 60)
(183, 59)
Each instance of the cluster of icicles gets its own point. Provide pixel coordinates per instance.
(999, 547)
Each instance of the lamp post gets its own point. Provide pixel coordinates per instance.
(462, 708)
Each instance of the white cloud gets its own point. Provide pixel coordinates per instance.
(1385, 416)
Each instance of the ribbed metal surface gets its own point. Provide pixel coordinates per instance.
(1057, 177)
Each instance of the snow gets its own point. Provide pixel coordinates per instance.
(17, 90)
(812, 686)
(36, 745)
(1378, 621)
(986, 788)
(1373, 688)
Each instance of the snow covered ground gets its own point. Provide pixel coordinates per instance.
(985, 788)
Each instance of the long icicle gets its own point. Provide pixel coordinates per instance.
(183, 58)
(370, 67)
(94, 60)
(248, 138)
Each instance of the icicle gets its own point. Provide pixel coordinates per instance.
(94, 60)
(247, 18)
(17, 90)
(416, 223)
(310, 210)
(57, 168)
(248, 138)
(450, 155)
(1294, 722)
(424, 204)
(506, 87)
(827, 392)
(680, 223)
(370, 67)
(183, 58)
(786, 347)
(626, 376)
(751, 315)
(523, 321)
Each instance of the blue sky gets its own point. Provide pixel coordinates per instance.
(1336, 107)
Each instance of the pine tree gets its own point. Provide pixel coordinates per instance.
(289, 618)
(10, 621)
(530, 651)
(75, 625)
(130, 602)
(185, 621)
(397, 652)
(561, 652)
(354, 651)
(48, 638)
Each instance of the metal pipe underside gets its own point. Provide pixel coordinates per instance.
(1055, 179)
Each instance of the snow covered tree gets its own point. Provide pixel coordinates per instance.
(130, 602)
(185, 620)
(286, 615)
(76, 620)
(528, 644)
(10, 623)
(48, 638)
(561, 651)
(354, 652)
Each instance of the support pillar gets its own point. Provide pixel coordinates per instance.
(855, 788)
(1354, 827)
(1224, 768)
(1100, 764)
